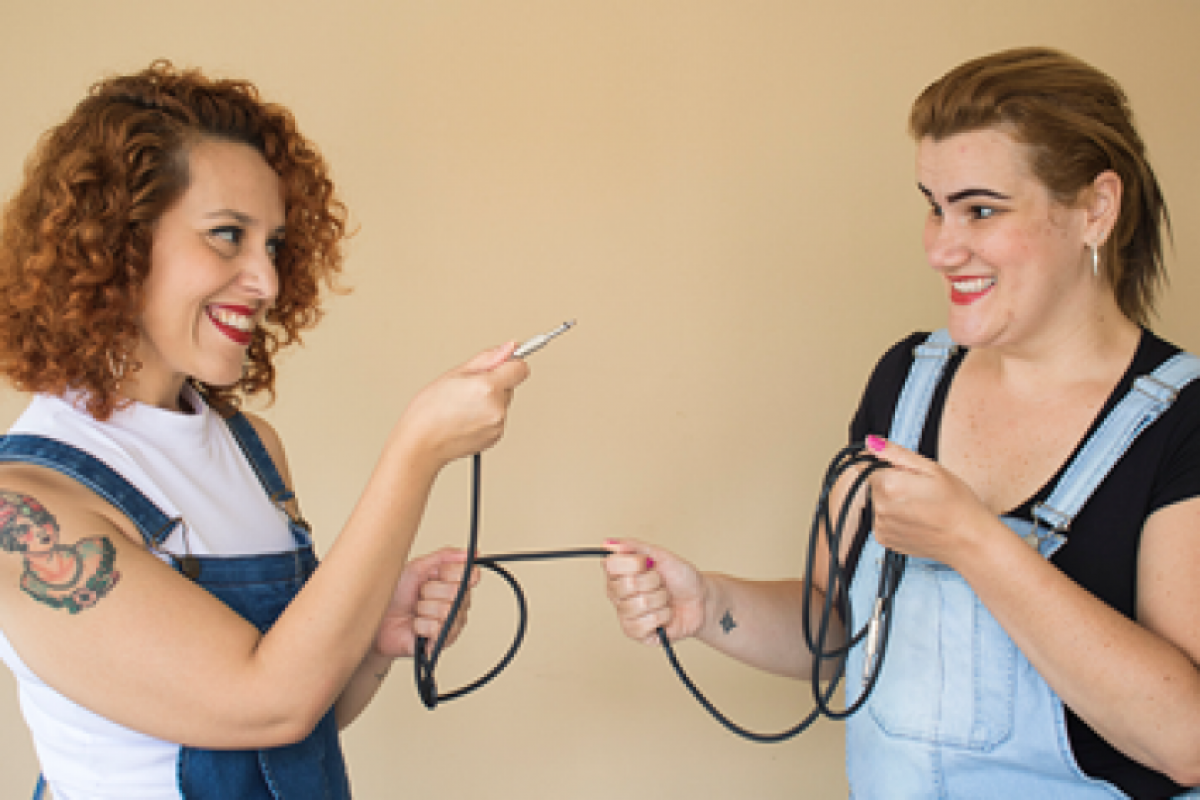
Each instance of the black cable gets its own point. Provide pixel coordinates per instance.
(425, 659)
(836, 600)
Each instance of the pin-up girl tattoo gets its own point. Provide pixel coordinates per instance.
(73, 577)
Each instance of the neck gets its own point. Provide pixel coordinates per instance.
(1093, 349)
(169, 397)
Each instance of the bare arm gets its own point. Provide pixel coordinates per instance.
(756, 622)
(161, 655)
(1135, 683)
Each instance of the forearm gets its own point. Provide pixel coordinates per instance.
(321, 642)
(362, 687)
(759, 623)
(1136, 689)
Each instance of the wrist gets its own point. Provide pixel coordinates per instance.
(411, 454)
(986, 548)
(377, 665)
(716, 604)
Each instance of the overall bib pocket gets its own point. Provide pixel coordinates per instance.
(950, 674)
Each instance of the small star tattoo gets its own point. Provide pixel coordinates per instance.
(727, 623)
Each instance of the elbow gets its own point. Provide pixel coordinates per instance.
(290, 731)
(247, 731)
(292, 712)
(294, 724)
(280, 732)
(279, 723)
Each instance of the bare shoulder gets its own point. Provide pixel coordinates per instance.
(270, 439)
(67, 495)
(274, 444)
(93, 613)
(58, 542)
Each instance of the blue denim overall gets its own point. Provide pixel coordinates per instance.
(958, 711)
(259, 587)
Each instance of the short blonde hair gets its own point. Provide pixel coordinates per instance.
(1078, 123)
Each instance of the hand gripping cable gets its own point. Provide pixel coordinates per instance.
(828, 659)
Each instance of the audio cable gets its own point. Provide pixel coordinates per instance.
(838, 575)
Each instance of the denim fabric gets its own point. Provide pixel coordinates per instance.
(958, 711)
(258, 587)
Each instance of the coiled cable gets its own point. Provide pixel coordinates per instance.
(836, 601)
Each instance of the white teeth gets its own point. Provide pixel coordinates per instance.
(973, 285)
(234, 320)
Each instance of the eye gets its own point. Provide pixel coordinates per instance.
(983, 212)
(275, 247)
(230, 234)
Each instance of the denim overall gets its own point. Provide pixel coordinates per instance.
(259, 587)
(958, 711)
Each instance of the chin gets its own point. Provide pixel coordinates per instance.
(969, 333)
(220, 378)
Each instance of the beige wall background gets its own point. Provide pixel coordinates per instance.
(721, 194)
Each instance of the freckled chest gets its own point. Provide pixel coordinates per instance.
(1007, 447)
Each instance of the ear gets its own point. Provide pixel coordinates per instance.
(1102, 202)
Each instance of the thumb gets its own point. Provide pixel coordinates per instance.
(488, 360)
(449, 555)
(631, 555)
(448, 566)
(894, 454)
(622, 545)
(632, 547)
(430, 566)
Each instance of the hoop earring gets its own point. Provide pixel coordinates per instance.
(116, 367)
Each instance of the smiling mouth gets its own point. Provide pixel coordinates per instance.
(236, 325)
(968, 290)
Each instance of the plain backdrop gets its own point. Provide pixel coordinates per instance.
(722, 194)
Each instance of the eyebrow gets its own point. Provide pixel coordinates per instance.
(965, 194)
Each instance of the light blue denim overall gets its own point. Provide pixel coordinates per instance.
(258, 587)
(958, 711)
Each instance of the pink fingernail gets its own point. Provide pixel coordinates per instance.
(875, 444)
(649, 563)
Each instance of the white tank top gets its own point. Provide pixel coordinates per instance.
(190, 466)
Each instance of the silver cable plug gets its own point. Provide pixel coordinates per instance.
(541, 340)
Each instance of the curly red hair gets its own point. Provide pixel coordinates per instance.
(75, 239)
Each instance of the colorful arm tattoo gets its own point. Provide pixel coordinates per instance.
(73, 577)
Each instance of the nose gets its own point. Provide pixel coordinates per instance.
(946, 244)
(259, 275)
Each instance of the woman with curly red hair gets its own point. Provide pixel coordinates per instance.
(162, 612)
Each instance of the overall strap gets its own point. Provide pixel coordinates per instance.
(93, 473)
(264, 467)
(256, 453)
(929, 362)
(1150, 396)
